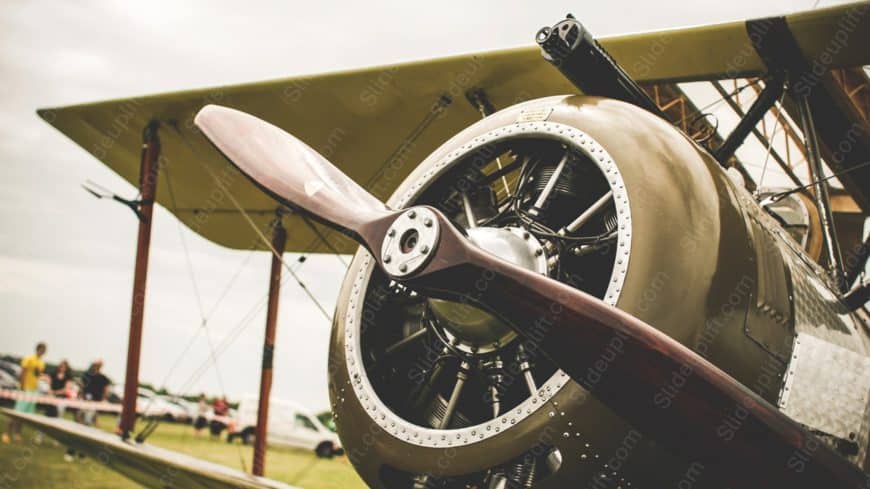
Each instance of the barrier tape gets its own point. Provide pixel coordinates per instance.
(101, 406)
(44, 399)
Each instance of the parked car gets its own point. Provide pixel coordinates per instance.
(328, 420)
(290, 424)
(7, 381)
(178, 409)
(11, 368)
(152, 405)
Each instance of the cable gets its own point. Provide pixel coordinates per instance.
(717, 102)
(184, 244)
(774, 198)
(714, 128)
(776, 127)
(154, 422)
(253, 225)
(204, 317)
(231, 282)
(437, 108)
(243, 323)
(322, 238)
(198, 331)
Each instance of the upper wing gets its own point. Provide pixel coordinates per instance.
(146, 464)
(369, 121)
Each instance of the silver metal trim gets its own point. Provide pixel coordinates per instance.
(399, 262)
(826, 387)
(428, 437)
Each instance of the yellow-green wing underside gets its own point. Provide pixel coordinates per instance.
(359, 118)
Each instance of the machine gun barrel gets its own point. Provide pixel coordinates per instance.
(585, 63)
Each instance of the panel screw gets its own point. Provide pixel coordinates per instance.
(424, 249)
(391, 233)
(427, 222)
(388, 259)
(412, 214)
(403, 268)
(539, 252)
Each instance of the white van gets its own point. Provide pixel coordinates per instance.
(290, 424)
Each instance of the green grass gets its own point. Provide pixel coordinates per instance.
(28, 465)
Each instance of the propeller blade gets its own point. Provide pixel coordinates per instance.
(292, 172)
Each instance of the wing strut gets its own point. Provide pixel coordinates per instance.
(149, 168)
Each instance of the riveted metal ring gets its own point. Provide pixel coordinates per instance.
(363, 389)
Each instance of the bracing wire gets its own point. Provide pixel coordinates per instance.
(717, 102)
(434, 112)
(323, 238)
(230, 284)
(214, 353)
(184, 247)
(254, 226)
(198, 331)
(776, 127)
(772, 199)
(152, 425)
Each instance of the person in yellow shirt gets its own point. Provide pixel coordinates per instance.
(32, 367)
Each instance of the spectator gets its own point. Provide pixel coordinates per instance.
(32, 367)
(95, 387)
(201, 413)
(221, 407)
(59, 380)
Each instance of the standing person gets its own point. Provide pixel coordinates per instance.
(58, 381)
(32, 367)
(201, 413)
(96, 388)
(221, 407)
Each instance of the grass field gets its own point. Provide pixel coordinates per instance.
(27, 465)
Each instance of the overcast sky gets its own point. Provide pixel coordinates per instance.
(66, 259)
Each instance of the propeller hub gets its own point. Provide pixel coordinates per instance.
(410, 242)
(470, 328)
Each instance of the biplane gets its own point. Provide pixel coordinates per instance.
(562, 276)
